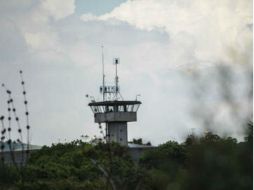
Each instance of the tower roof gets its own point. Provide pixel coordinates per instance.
(114, 102)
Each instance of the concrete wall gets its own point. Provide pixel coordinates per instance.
(118, 132)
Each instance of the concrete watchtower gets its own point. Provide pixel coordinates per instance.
(114, 111)
(115, 114)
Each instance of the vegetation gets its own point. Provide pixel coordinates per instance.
(209, 162)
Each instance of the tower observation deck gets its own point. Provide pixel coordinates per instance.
(113, 111)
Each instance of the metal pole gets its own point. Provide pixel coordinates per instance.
(116, 82)
(116, 79)
(103, 74)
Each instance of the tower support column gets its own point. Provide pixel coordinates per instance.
(117, 132)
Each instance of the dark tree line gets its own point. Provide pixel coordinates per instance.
(209, 162)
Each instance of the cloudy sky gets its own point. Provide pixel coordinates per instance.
(170, 51)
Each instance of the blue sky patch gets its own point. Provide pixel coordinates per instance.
(97, 7)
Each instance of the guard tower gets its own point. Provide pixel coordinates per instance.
(113, 110)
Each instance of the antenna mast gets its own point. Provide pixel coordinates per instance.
(116, 78)
(103, 74)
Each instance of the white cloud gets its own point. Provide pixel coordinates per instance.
(40, 40)
(217, 29)
(156, 40)
(38, 27)
(88, 17)
(59, 9)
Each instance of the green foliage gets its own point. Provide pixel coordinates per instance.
(209, 162)
(140, 142)
(79, 165)
(200, 163)
(8, 174)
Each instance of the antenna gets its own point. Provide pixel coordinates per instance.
(109, 92)
(116, 62)
(103, 74)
